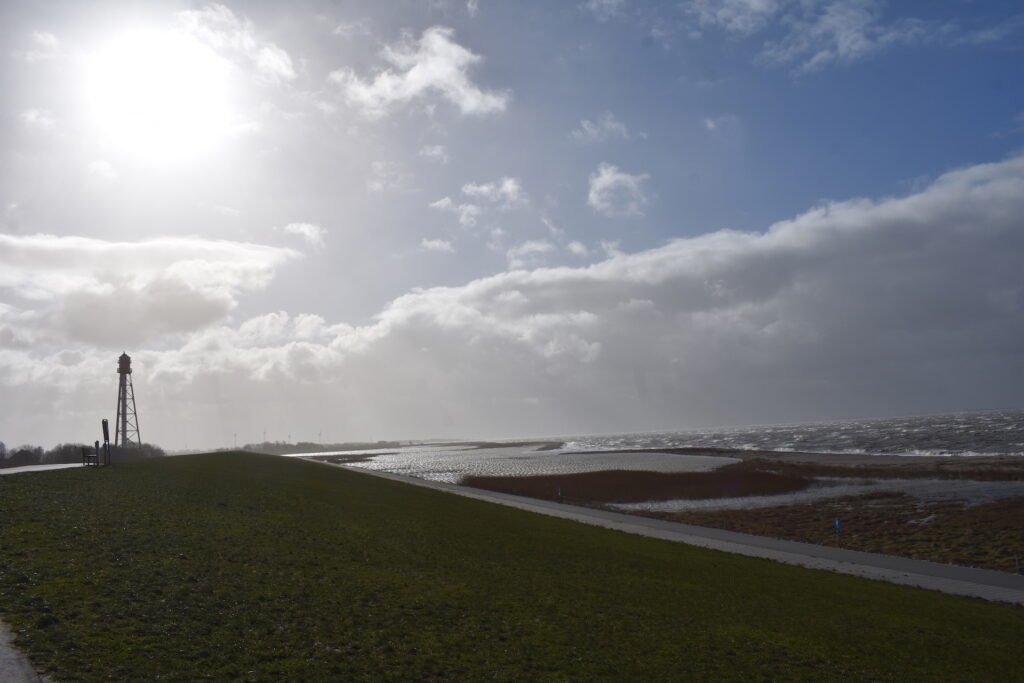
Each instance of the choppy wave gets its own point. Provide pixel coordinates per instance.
(990, 433)
(994, 433)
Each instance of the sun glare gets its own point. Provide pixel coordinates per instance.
(160, 95)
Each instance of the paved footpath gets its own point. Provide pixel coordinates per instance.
(947, 578)
(14, 666)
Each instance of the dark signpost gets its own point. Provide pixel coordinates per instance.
(106, 442)
(100, 455)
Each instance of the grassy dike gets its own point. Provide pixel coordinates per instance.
(241, 566)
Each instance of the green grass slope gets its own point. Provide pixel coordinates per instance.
(240, 566)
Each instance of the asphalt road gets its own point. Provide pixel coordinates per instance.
(971, 582)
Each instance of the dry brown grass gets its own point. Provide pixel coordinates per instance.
(861, 465)
(938, 468)
(989, 536)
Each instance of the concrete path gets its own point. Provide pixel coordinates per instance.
(37, 468)
(979, 583)
(14, 666)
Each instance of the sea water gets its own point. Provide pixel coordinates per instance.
(991, 433)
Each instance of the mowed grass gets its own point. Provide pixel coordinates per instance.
(250, 567)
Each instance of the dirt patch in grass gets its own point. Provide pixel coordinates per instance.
(630, 486)
(989, 536)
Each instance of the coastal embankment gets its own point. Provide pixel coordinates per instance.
(234, 566)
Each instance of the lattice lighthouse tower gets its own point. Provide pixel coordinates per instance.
(126, 426)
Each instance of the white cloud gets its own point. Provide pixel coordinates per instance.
(102, 170)
(527, 253)
(37, 118)
(1004, 30)
(352, 29)
(604, 10)
(843, 32)
(387, 175)
(896, 306)
(45, 47)
(506, 193)
(816, 34)
(556, 231)
(502, 195)
(312, 233)
(436, 245)
(433, 65)
(496, 239)
(472, 6)
(720, 124)
(275, 64)
(605, 128)
(467, 213)
(617, 193)
(219, 27)
(87, 290)
(578, 248)
(437, 153)
(741, 16)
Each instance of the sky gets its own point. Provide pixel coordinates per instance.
(490, 218)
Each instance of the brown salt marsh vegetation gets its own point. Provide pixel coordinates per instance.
(862, 465)
(989, 535)
(630, 486)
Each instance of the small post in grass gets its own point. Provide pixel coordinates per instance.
(836, 526)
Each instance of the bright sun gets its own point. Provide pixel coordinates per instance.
(160, 95)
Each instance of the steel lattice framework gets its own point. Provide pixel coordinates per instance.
(126, 425)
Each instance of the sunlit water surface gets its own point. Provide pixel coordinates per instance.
(993, 433)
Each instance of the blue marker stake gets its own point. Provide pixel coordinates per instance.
(837, 527)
